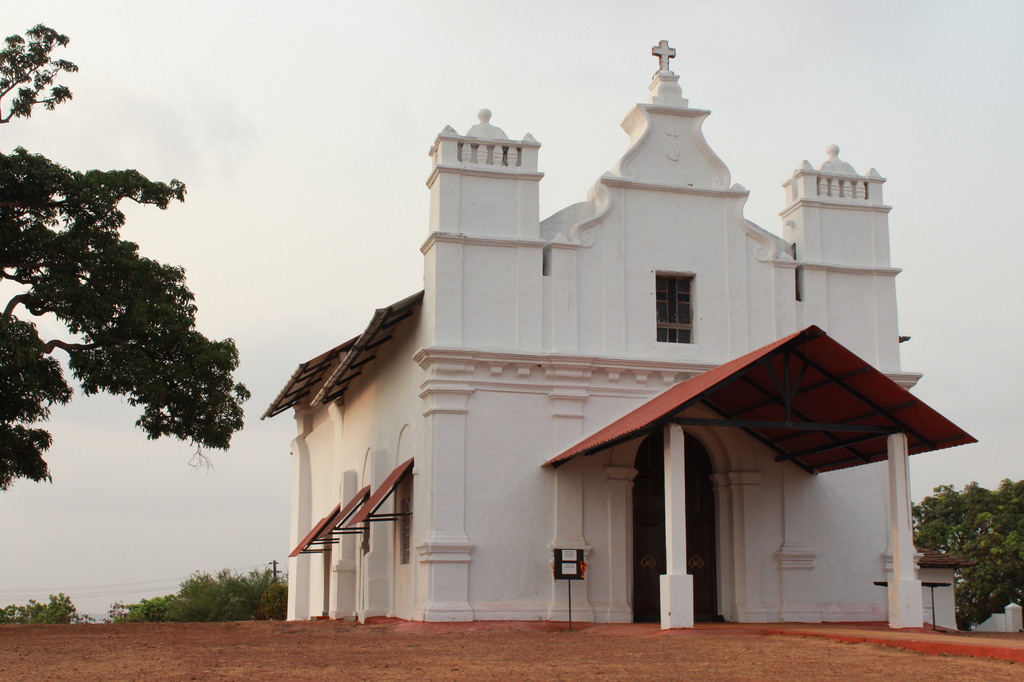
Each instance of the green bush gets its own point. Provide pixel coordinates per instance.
(59, 609)
(146, 611)
(274, 603)
(224, 597)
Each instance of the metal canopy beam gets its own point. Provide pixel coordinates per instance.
(786, 426)
(798, 413)
(764, 441)
(903, 426)
(826, 448)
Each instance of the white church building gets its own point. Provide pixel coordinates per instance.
(714, 415)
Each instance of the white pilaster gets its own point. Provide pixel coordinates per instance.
(444, 552)
(376, 563)
(620, 502)
(676, 584)
(301, 520)
(796, 557)
(567, 413)
(738, 506)
(563, 315)
(344, 597)
(905, 607)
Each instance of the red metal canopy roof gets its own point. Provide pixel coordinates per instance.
(368, 512)
(324, 531)
(805, 396)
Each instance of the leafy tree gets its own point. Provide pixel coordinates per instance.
(130, 320)
(59, 609)
(986, 526)
(26, 65)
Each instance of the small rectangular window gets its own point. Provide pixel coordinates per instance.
(798, 279)
(405, 524)
(674, 297)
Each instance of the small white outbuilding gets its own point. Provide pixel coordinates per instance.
(714, 414)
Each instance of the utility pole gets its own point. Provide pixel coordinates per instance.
(274, 564)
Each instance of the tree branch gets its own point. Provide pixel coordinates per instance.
(69, 347)
(31, 305)
(24, 204)
(19, 280)
(13, 303)
(39, 265)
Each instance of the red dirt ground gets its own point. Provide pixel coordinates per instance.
(401, 650)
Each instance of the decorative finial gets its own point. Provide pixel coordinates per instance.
(664, 53)
(834, 165)
(484, 130)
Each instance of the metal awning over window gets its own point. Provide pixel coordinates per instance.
(368, 512)
(806, 397)
(326, 530)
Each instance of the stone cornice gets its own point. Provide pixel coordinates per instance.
(445, 551)
(613, 181)
(846, 204)
(454, 373)
(905, 379)
(550, 374)
(620, 473)
(796, 556)
(461, 238)
(484, 172)
(431, 355)
(851, 269)
(685, 112)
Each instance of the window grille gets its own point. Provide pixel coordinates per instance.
(675, 308)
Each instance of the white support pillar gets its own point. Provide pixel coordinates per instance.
(676, 584)
(905, 606)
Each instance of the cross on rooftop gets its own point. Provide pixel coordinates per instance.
(664, 53)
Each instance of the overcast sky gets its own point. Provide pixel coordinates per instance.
(302, 129)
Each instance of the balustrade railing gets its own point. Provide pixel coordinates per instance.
(485, 153)
(847, 188)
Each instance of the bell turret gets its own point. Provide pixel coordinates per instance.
(483, 258)
(839, 228)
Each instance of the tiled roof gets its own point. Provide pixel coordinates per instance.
(934, 558)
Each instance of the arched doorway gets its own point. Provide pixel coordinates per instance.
(649, 529)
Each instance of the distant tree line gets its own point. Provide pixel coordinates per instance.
(58, 610)
(226, 596)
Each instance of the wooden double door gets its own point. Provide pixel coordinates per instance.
(649, 529)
